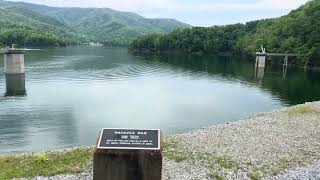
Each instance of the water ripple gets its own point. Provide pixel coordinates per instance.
(113, 72)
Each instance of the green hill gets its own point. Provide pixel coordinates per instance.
(21, 26)
(298, 32)
(102, 24)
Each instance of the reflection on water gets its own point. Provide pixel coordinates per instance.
(73, 92)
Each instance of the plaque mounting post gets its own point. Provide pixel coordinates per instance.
(128, 154)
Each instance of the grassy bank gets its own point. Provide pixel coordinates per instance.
(70, 161)
(45, 163)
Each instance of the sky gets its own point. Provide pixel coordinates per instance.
(194, 12)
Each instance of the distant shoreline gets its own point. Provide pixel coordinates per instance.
(243, 56)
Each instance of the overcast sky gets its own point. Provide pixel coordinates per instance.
(194, 12)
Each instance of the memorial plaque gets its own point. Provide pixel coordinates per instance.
(129, 139)
(128, 154)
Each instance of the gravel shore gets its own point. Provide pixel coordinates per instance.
(283, 144)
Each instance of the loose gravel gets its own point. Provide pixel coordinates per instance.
(308, 172)
(284, 144)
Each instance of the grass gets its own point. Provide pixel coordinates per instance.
(255, 175)
(216, 177)
(170, 145)
(172, 153)
(222, 161)
(303, 109)
(80, 160)
(226, 163)
(176, 156)
(44, 164)
(69, 162)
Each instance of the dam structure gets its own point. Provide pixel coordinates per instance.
(14, 71)
(261, 58)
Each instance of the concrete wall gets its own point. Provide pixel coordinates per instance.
(259, 73)
(260, 61)
(14, 63)
(15, 74)
(15, 84)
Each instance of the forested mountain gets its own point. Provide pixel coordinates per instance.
(100, 24)
(22, 26)
(298, 32)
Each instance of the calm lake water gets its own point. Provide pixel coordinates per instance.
(74, 92)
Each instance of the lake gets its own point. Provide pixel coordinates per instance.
(74, 92)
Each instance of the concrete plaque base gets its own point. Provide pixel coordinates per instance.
(128, 154)
(127, 164)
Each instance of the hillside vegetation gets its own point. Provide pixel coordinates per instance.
(74, 25)
(298, 32)
(25, 27)
(112, 26)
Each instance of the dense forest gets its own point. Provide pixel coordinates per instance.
(32, 24)
(196, 40)
(25, 37)
(298, 32)
(24, 27)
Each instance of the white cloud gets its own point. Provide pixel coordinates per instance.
(261, 5)
(177, 5)
(189, 10)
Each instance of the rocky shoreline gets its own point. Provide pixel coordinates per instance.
(283, 144)
(263, 146)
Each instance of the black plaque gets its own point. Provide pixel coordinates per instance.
(129, 139)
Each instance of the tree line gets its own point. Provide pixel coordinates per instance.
(26, 37)
(195, 40)
(298, 32)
